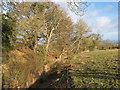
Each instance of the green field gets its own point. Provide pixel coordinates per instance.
(96, 69)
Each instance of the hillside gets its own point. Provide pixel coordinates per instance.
(22, 67)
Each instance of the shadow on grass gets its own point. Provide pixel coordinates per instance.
(52, 79)
(63, 79)
(96, 74)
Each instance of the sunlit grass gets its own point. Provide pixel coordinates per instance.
(99, 70)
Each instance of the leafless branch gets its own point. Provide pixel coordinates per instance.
(79, 8)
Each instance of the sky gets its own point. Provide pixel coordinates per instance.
(102, 17)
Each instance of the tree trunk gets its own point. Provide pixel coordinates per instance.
(36, 42)
(74, 42)
(60, 56)
(78, 47)
(48, 42)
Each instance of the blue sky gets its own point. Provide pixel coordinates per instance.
(102, 17)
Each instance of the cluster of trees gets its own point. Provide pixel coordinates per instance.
(44, 23)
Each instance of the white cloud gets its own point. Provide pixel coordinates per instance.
(73, 16)
(102, 21)
(109, 7)
(92, 5)
(105, 26)
(94, 13)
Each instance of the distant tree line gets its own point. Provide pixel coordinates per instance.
(107, 44)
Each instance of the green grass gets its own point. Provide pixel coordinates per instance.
(100, 70)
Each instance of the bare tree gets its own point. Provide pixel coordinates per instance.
(79, 8)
